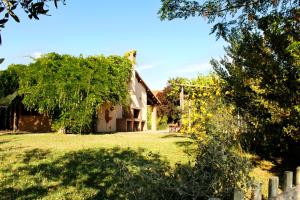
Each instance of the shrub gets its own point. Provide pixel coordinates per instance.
(219, 169)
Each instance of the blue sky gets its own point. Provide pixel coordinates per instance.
(165, 49)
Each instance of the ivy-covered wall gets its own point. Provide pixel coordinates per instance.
(69, 89)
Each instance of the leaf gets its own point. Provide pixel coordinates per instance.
(11, 13)
(35, 16)
(3, 21)
(1, 59)
(55, 3)
(14, 7)
(39, 4)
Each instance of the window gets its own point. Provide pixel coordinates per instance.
(136, 113)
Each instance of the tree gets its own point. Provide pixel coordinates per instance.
(169, 99)
(33, 8)
(261, 69)
(227, 16)
(262, 76)
(70, 89)
(202, 102)
(9, 79)
(220, 165)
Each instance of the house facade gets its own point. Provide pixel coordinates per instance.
(134, 116)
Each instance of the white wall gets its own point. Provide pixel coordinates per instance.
(102, 125)
(138, 97)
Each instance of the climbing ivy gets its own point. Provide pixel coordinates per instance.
(70, 89)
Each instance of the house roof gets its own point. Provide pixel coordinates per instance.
(151, 98)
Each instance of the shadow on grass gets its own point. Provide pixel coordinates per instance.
(189, 147)
(86, 174)
(288, 162)
(4, 141)
(174, 135)
(6, 133)
(280, 164)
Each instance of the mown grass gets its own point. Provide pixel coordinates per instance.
(111, 166)
(171, 147)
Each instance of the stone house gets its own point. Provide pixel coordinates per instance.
(134, 117)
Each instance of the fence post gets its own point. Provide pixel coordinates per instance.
(238, 195)
(273, 187)
(298, 176)
(256, 192)
(288, 181)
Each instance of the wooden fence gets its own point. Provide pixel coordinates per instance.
(290, 191)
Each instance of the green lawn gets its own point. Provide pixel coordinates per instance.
(111, 166)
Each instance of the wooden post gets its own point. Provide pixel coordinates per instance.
(273, 187)
(288, 181)
(256, 192)
(189, 115)
(182, 99)
(154, 117)
(15, 119)
(238, 195)
(298, 176)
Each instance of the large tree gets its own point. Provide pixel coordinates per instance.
(262, 75)
(261, 68)
(227, 16)
(33, 8)
(9, 80)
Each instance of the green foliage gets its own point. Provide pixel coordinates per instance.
(227, 16)
(33, 8)
(261, 73)
(220, 165)
(169, 98)
(220, 169)
(162, 123)
(149, 117)
(261, 69)
(202, 102)
(70, 89)
(9, 79)
(131, 56)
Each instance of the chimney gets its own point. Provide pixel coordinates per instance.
(131, 55)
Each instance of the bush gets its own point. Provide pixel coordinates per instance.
(219, 169)
(162, 123)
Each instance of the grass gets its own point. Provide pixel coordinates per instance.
(111, 166)
(171, 147)
(262, 172)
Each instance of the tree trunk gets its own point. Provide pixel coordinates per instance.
(15, 119)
